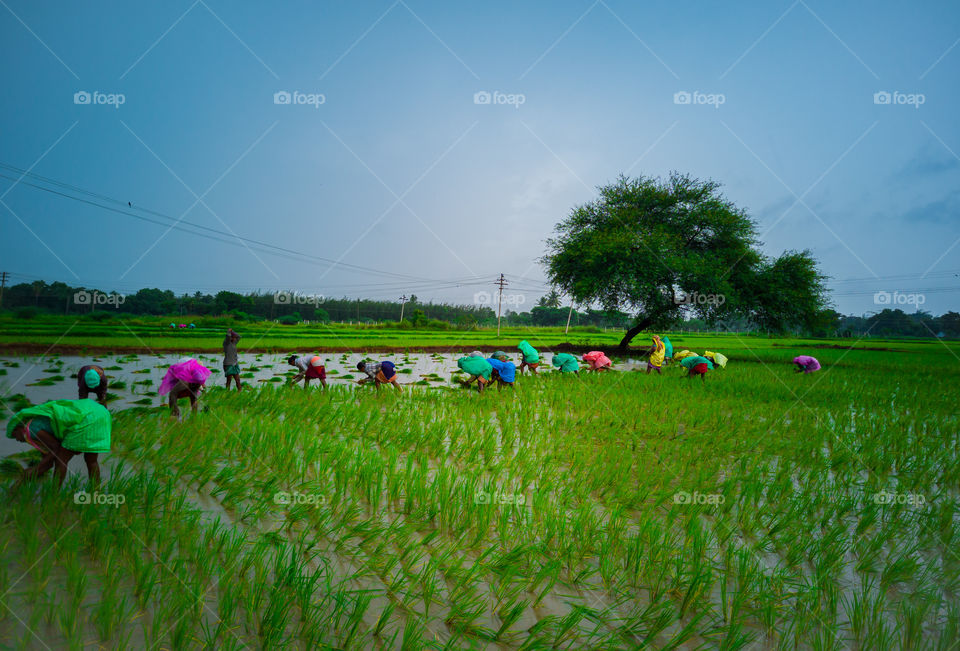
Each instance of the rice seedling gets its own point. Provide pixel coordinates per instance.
(403, 523)
(47, 381)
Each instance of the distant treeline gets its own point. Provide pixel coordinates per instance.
(27, 300)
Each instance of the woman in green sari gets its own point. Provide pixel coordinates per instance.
(62, 429)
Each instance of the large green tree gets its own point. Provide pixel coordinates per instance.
(663, 249)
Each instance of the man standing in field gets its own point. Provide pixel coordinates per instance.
(530, 359)
(92, 378)
(310, 367)
(231, 363)
(697, 365)
(384, 372)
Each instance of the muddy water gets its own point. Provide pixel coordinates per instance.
(135, 379)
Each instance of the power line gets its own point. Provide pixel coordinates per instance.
(180, 224)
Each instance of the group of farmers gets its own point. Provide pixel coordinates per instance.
(62, 429)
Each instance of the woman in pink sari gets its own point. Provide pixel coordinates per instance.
(184, 379)
(806, 364)
(597, 361)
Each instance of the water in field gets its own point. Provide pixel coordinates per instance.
(134, 379)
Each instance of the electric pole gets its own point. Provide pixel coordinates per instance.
(3, 284)
(569, 314)
(403, 302)
(501, 282)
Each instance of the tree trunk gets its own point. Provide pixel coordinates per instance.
(633, 332)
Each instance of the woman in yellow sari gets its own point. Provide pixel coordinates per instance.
(657, 353)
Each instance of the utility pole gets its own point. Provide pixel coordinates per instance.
(569, 314)
(403, 302)
(501, 282)
(4, 275)
(358, 311)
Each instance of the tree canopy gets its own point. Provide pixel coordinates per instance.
(664, 249)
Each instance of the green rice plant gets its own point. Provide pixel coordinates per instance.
(47, 382)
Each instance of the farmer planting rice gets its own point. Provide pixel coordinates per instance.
(806, 364)
(231, 364)
(184, 379)
(60, 430)
(384, 372)
(597, 361)
(658, 353)
(92, 378)
(311, 368)
(697, 365)
(504, 371)
(719, 359)
(667, 350)
(530, 359)
(479, 369)
(683, 354)
(566, 362)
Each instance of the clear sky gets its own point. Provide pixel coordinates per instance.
(390, 163)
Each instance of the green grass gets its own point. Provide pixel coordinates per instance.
(269, 337)
(757, 509)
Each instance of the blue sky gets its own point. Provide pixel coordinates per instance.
(399, 170)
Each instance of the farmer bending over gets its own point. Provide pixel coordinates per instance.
(806, 364)
(531, 358)
(379, 373)
(597, 361)
(567, 363)
(62, 429)
(185, 379)
(504, 371)
(479, 370)
(92, 378)
(697, 365)
(310, 367)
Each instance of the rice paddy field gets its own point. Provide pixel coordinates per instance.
(759, 509)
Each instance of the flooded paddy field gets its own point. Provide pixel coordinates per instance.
(756, 509)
